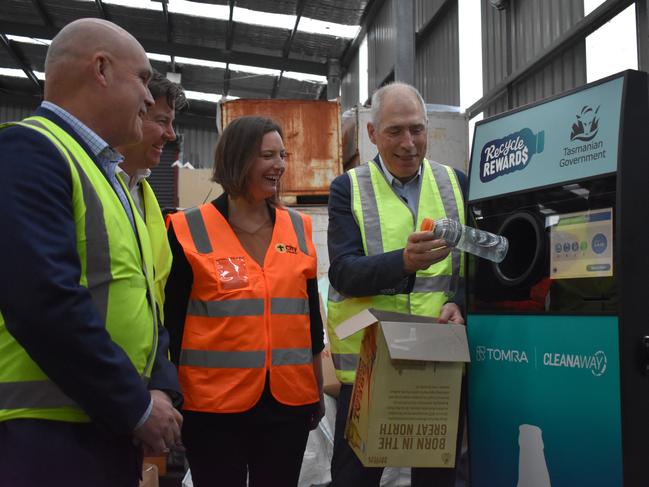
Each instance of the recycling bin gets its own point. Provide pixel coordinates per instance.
(558, 385)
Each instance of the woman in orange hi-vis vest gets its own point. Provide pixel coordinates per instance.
(243, 315)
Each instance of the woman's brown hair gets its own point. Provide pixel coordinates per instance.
(236, 151)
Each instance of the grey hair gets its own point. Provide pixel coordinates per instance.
(377, 100)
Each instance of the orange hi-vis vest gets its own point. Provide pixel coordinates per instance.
(244, 320)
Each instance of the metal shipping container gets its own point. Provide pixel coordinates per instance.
(311, 136)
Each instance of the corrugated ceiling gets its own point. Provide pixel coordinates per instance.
(194, 36)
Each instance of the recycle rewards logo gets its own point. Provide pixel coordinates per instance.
(587, 124)
(511, 153)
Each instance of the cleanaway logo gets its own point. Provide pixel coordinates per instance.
(596, 363)
(484, 354)
(511, 153)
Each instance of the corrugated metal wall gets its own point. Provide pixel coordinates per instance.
(349, 86)
(162, 177)
(437, 64)
(527, 27)
(14, 112)
(198, 145)
(424, 10)
(437, 69)
(381, 42)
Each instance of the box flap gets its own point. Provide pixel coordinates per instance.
(357, 322)
(426, 341)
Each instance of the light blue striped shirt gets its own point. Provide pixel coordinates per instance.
(107, 156)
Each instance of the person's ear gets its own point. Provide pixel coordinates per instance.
(371, 131)
(101, 68)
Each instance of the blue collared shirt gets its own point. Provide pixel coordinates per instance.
(408, 191)
(108, 157)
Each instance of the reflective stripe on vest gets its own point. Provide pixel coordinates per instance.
(25, 391)
(233, 335)
(385, 223)
(159, 244)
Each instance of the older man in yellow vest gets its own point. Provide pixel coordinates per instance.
(378, 257)
(140, 158)
(84, 378)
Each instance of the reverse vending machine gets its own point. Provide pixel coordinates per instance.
(559, 330)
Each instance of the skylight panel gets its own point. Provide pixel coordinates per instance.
(313, 26)
(158, 57)
(200, 62)
(145, 4)
(305, 77)
(254, 70)
(243, 15)
(211, 97)
(266, 19)
(19, 73)
(220, 12)
(29, 40)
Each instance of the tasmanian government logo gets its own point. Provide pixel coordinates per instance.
(582, 148)
(484, 354)
(596, 363)
(511, 153)
(587, 124)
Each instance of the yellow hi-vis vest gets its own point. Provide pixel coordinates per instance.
(385, 222)
(159, 244)
(114, 269)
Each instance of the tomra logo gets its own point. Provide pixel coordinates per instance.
(483, 354)
(587, 124)
(597, 363)
(509, 154)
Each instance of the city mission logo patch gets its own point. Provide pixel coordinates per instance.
(511, 153)
(285, 249)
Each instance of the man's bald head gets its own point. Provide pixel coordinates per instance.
(98, 72)
(77, 42)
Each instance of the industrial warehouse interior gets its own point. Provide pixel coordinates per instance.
(375, 242)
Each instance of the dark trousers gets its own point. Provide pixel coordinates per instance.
(347, 470)
(36, 452)
(223, 451)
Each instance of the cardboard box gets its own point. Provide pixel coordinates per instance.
(159, 461)
(406, 398)
(149, 476)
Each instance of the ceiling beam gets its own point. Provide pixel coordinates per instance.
(42, 13)
(167, 17)
(299, 9)
(229, 30)
(226, 80)
(102, 9)
(229, 36)
(18, 57)
(188, 50)
(276, 83)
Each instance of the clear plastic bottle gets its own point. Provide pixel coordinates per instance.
(477, 242)
(532, 464)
